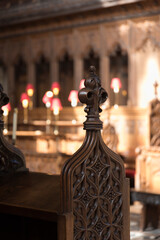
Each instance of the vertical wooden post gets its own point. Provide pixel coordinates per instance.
(94, 187)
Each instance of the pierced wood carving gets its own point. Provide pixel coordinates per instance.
(11, 158)
(93, 180)
(155, 118)
(155, 123)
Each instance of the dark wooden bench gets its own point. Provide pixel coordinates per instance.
(29, 202)
(89, 200)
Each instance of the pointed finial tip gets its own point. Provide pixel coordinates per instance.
(92, 69)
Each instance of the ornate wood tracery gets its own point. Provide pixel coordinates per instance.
(11, 158)
(94, 187)
(154, 122)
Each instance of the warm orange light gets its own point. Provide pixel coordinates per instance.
(116, 84)
(47, 98)
(6, 109)
(56, 106)
(30, 92)
(49, 94)
(55, 88)
(30, 89)
(81, 85)
(25, 103)
(73, 98)
(24, 100)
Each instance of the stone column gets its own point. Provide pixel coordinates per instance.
(54, 68)
(104, 72)
(54, 71)
(78, 71)
(31, 73)
(78, 60)
(31, 76)
(132, 69)
(104, 59)
(132, 80)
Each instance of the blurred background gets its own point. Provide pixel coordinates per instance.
(46, 48)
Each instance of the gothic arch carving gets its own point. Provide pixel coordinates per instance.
(64, 52)
(15, 49)
(90, 39)
(149, 41)
(144, 31)
(88, 49)
(18, 57)
(65, 42)
(40, 46)
(40, 55)
(116, 37)
(114, 47)
(91, 58)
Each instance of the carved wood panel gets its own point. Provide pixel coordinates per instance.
(97, 197)
(94, 186)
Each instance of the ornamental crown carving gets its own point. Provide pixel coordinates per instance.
(92, 95)
(94, 187)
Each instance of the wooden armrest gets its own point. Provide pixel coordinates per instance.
(28, 193)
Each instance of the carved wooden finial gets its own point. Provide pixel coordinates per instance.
(11, 158)
(94, 187)
(92, 95)
(3, 101)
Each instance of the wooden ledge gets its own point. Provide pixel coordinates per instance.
(31, 194)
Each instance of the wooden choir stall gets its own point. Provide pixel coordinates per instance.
(88, 200)
(147, 178)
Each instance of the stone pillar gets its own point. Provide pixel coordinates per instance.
(54, 65)
(132, 69)
(54, 71)
(78, 71)
(31, 76)
(132, 80)
(11, 84)
(104, 72)
(104, 59)
(78, 60)
(31, 73)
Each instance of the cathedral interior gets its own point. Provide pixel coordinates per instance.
(46, 50)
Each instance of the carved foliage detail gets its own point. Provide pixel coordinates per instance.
(97, 198)
(9, 161)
